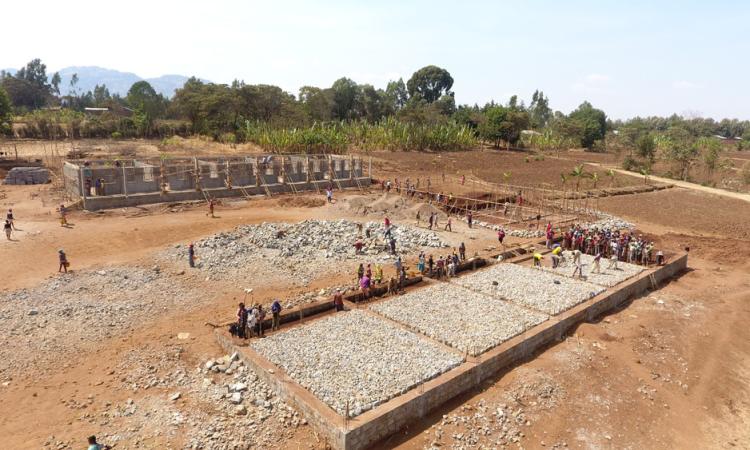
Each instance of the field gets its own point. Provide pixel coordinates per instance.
(124, 347)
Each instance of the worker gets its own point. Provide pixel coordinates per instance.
(7, 228)
(556, 252)
(378, 275)
(63, 261)
(63, 216)
(211, 208)
(93, 445)
(338, 300)
(538, 259)
(462, 251)
(597, 263)
(191, 255)
(9, 217)
(276, 312)
(448, 225)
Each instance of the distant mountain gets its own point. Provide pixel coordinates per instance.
(116, 81)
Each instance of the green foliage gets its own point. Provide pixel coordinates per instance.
(338, 137)
(503, 124)
(709, 149)
(646, 148)
(539, 110)
(590, 124)
(6, 113)
(430, 83)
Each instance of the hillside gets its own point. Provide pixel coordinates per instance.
(116, 81)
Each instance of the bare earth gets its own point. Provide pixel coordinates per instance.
(670, 370)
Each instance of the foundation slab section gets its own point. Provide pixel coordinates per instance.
(466, 320)
(353, 361)
(530, 287)
(373, 426)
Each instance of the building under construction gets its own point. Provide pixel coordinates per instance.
(102, 184)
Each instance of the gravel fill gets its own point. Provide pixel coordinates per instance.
(466, 320)
(356, 357)
(299, 249)
(531, 287)
(607, 277)
(69, 312)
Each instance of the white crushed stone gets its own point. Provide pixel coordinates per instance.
(606, 277)
(299, 249)
(355, 357)
(531, 287)
(466, 320)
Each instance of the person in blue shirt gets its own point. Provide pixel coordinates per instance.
(276, 311)
(94, 446)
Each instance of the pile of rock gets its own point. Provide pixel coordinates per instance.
(466, 320)
(354, 361)
(302, 248)
(27, 175)
(67, 312)
(530, 287)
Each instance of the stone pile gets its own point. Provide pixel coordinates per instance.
(300, 249)
(67, 312)
(27, 175)
(606, 277)
(530, 287)
(520, 233)
(468, 321)
(355, 360)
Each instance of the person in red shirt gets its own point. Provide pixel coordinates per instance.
(338, 300)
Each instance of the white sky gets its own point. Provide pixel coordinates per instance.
(628, 58)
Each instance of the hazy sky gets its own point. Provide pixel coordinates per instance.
(627, 57)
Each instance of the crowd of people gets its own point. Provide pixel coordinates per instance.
(251, 321)
(612, 244)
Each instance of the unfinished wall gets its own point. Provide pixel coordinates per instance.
(181, 178)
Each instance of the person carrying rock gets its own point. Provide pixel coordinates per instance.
(276, 312)
(63, 261)
(338, 300)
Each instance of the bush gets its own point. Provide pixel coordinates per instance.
(116, 135)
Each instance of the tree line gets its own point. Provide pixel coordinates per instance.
(418, 114)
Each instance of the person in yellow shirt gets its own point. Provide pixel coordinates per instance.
(556, 252)
(378, 274)
(538, 259)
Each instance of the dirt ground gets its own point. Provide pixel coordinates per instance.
(669, 370)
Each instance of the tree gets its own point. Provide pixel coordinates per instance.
(646, 148)
(34, 72)
(503, 124)
(579, 173)
(709, 149)
(592, 123)
(55, 82)
(539, 110)
(396, 95)
(430, 83)
(373, 102)
(6, 113)
(611, 175)
(148, 105)
(676, 146)
(316, 102)
(346, 95)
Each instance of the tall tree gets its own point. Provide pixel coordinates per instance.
(148, 105)
(316, 102)
(346, 98)
(55, 83)
(396, 95)
(539, 110)
(430, 83)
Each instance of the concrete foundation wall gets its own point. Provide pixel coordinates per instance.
(120, 201)
(375, 425)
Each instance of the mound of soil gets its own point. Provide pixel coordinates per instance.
(300, 202)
